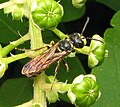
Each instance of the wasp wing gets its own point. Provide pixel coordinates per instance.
(42, 61)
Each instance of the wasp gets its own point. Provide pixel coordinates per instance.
(55, 53)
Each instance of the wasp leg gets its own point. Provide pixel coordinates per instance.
(66, 65)
(47, 46)
(52, 43)
(56, 72)
(33, 49)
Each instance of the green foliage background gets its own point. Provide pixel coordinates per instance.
(18, 89)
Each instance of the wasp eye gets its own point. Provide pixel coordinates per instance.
(77, 41)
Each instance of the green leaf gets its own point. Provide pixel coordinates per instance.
(70, 12)
(115, 21)
(9, 28)
(15, 91)
(113, 4)
(108, 74)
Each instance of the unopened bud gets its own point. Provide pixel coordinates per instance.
(85, 91)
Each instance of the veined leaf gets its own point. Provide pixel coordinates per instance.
(108, 74)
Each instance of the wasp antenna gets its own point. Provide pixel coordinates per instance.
(85, 25)
(93, 39)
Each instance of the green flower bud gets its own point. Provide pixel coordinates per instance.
(97, 51)
(51, 79)
(78, 3)
(52, 96)
(85, 91)
(3, 68)
(18, 12)
(92, 61)
(47, 14)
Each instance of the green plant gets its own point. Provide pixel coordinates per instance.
(41, 25)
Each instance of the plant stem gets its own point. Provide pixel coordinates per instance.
(57, 86)
(14, 44)
(6, 4)
(14, 58)
(11, 2)
(59, 33)
(39, 94)
(35, 36)
(39, 97)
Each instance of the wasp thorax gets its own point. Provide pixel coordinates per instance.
(65, 45)
(77, 40)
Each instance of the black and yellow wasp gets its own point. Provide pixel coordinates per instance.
(55, 53)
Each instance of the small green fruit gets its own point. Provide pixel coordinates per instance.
(18, 12)
(52, 96)
(78, 3)
(47, 14)
(85, 91)
(97, 51)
